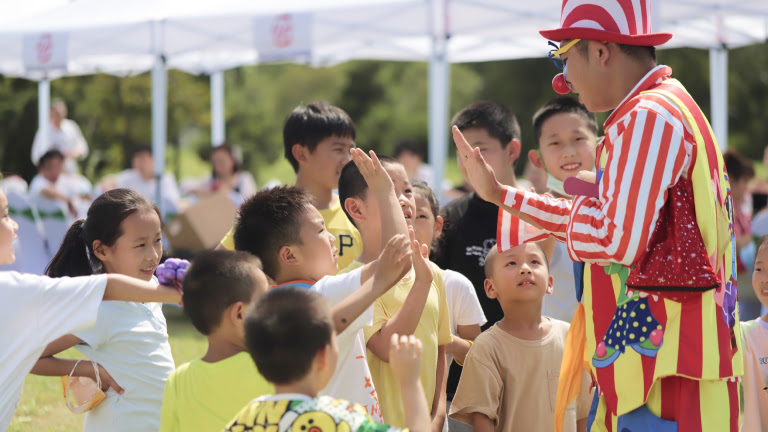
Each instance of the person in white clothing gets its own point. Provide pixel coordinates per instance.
(53, 183)
(36, 310)
(141, 177)
(64, 135)
(121, 234)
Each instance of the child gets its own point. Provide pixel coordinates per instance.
(417, 304)
(566, 133)
(509, 381)
(754, 336)
(53, 183)
(317, 139)
(121, 234)
(36, 310)
(464, 308)
(204, 394)
(289, 333)
(284, 229)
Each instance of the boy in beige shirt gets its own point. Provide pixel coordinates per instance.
(509, 382)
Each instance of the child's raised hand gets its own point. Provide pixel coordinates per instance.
(394, 261)
(420, 258)
(372, 170)
(405, 358)
(479, 173)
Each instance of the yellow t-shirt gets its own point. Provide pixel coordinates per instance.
(201, 396)
(348, 241)
(433, 330)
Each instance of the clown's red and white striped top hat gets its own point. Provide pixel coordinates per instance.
(621, 21)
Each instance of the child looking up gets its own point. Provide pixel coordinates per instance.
(465, 310)
(754, 337)
(290, 335)
(37, 310)
(417, 304)
(510, 375)
(204, 394)
(566, 135)
(284, 229)
(121, 234)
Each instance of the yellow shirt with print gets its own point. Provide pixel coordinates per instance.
(433, 330)
(348, 241)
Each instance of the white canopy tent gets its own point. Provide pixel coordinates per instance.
(202, 36)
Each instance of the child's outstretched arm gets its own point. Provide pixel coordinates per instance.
(393, 263)
(405, 356)
(406, 319)
(380, 184)
(126, 288)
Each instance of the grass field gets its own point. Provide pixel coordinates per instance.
(42, 406)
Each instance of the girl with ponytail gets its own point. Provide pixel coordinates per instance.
(121, 234)
(37, 310)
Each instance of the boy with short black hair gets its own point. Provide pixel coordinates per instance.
(510, 375)
(204, 394)
(290, 335)
(417, 304)
(283, 227)
(566, 137)
(317, 139)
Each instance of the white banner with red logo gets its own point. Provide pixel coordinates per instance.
(45, 51)
(284, 37)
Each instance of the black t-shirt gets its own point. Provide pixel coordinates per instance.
(469, 233)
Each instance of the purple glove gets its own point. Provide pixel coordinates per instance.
(173, 269)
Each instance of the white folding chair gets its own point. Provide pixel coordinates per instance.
(32, 255)
(54, 216)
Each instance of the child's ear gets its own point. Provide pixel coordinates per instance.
(550, 285)
(354, 207)
(299, 152)
(236, 312)
(438, 226)
(323, 357)
(535, 158)
(514, 150)
(99, 250)
(489, 290)
(287, 255)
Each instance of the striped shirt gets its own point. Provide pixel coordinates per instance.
(648, 147)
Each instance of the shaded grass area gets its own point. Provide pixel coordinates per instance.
(42, 406)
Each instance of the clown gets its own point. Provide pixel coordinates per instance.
(658, 324)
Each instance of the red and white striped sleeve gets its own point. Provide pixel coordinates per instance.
(646, 153)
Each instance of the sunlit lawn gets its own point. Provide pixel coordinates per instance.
(42, 406)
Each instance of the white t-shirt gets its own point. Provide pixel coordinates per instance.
(463, 305)
(69, 185)
(131, 179)
(66, 139)
(131, 341)
(561, 304)
(35, 311)
(352, 379)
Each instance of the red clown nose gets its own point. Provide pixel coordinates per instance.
(559, 84)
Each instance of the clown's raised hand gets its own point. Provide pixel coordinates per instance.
(479, 173)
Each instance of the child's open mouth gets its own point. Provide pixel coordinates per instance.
(574, 166)
(149, 270)
(526, 283)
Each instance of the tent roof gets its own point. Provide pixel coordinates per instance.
(120, 37)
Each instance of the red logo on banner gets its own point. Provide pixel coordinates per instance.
(45, 48)
(282, 31)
